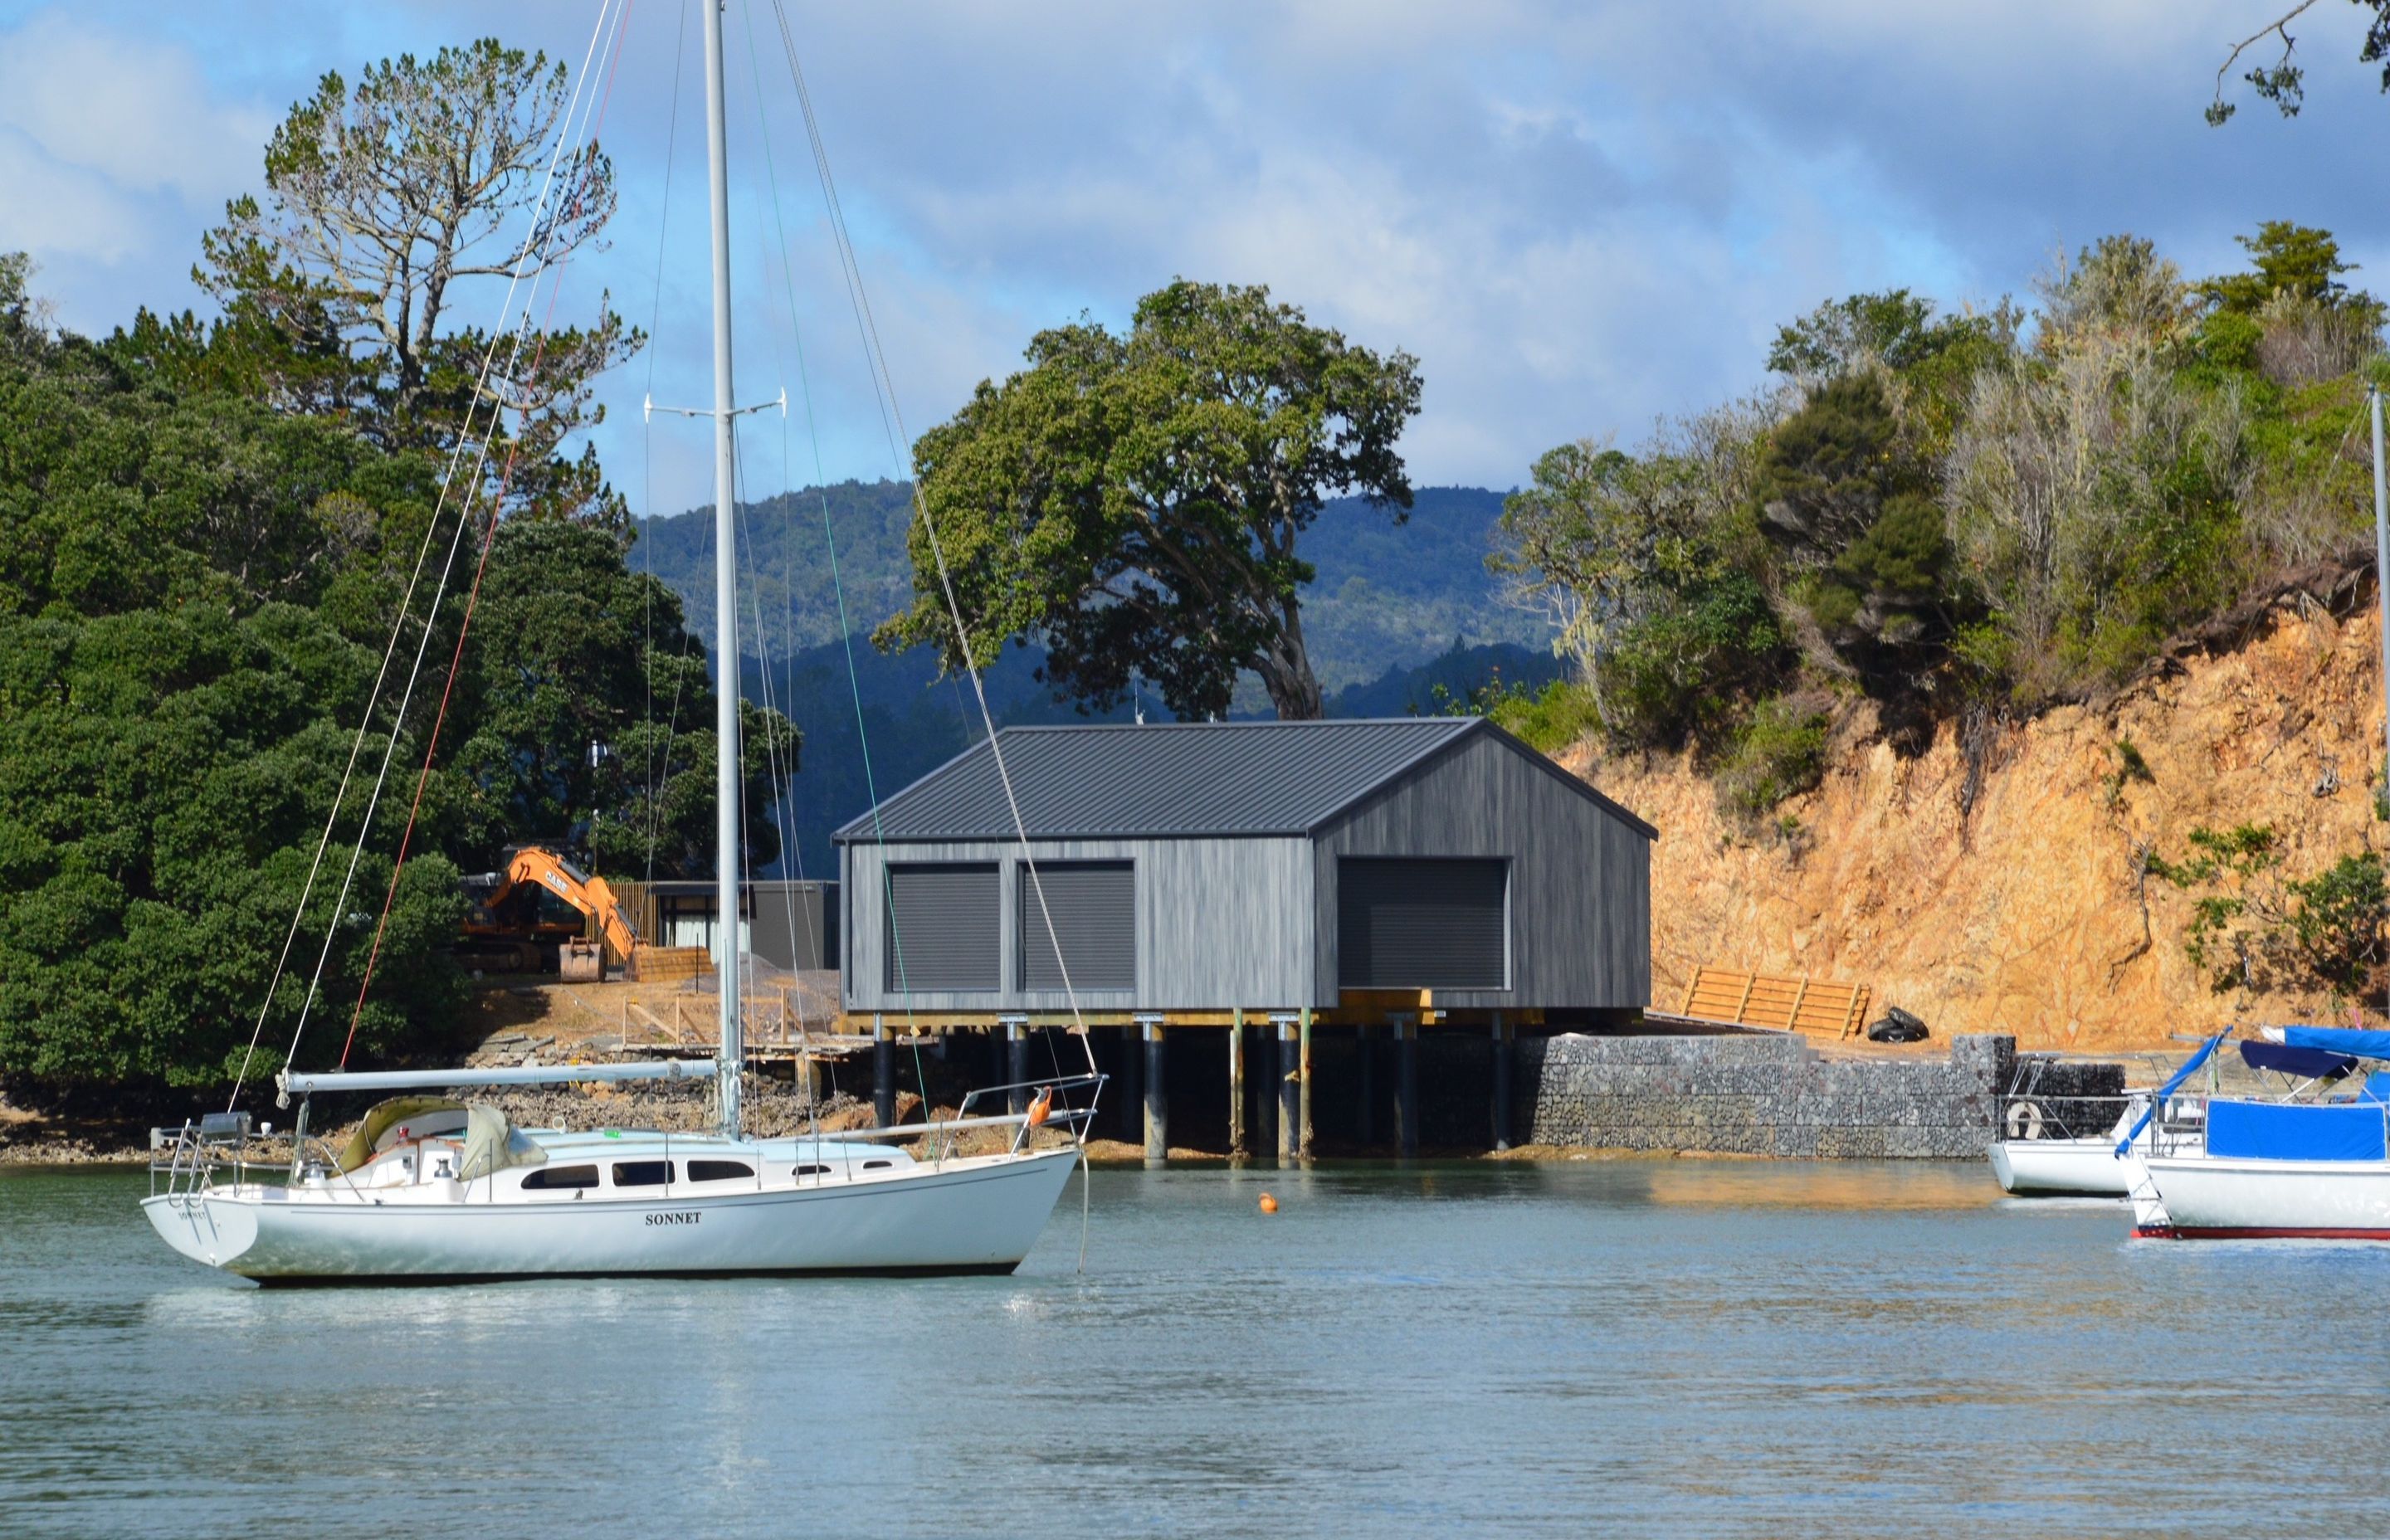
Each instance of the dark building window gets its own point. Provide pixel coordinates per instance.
(1420, 923)
(943, 929)
(1094, 908)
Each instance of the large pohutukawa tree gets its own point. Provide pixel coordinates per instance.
(1134, 502)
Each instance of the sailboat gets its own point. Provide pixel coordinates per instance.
(430, 1188)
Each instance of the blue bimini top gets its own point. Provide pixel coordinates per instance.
(2362, 1042)
(2297, 1130)
(2306, 1063)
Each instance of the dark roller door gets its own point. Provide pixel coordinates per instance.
(1420, 924)
(946, 933)
(1094, 906)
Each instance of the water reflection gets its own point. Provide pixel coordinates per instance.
(1687, 1347)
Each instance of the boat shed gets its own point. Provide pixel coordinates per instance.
(1188, 871)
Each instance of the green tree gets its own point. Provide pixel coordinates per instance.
(383, 199)
(2283, 82)
(1135, 500)
(2289, 259)
(589, 716)
(2253, 925)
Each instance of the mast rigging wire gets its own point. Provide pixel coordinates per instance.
(591, 122)
(893, 423)
(448, 482)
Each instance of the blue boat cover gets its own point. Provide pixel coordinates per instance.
(2365, 1043)
(2377, 1087)
(2296, 1131)
(2306, 1063)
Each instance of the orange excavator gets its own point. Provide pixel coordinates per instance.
(528, 917)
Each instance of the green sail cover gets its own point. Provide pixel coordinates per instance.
(492, 1144)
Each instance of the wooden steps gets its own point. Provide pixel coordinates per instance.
(1783, 1004)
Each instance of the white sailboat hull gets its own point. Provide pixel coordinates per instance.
(2208, 1197)
(2083, 1167)
(978, 1214)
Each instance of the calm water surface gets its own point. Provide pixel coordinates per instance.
(1672, 1347)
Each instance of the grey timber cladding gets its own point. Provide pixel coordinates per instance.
(1092, 907)
(1580, 877)
(1230, 838)
(1218, 922)
(949, 926)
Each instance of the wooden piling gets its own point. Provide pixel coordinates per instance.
(1016, 1062)
(1302, 1141)
(1502, 1057)
(1406, 1129)
(883, 1071)
(1237, 1084)
(1132, 1083)
(1157, 1111)
(1289, 1091)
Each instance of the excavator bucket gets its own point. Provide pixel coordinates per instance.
(580, 962)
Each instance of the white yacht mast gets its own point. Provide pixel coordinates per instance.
(725, 586)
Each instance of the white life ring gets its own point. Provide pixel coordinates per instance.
(2024, 1120)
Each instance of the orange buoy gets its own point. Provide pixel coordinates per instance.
(1269, 1204)
(1042, 1108)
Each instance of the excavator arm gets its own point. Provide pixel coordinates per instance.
(588, 894)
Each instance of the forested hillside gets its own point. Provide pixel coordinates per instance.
(1386, 595)
(1959, 518)
(1398, 612)
(2013, 660)
(239, 557)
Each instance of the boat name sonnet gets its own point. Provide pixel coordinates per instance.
(675, 1216)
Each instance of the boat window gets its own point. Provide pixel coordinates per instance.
(878, 1165)
(547, 1177)
(812, 1171)
(643, 1174)
(720, 1170)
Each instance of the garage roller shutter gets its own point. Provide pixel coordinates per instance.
(946, 934)
(1421, 924)
(1094, 906)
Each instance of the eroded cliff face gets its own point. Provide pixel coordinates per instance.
(2028, 917)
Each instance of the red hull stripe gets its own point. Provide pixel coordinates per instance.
(2254, 1232)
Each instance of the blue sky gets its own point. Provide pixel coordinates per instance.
(1579, 217)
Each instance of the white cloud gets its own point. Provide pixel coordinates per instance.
(1580, 218)
(139, 113)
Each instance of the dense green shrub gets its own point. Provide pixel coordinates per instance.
(1779, 753)
(2253, 925)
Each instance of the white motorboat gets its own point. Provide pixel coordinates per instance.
(2081, 1166)
(433, 1189)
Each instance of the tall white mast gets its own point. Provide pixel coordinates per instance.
(725, 586)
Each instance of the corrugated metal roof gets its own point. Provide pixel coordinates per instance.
(1170, 781)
